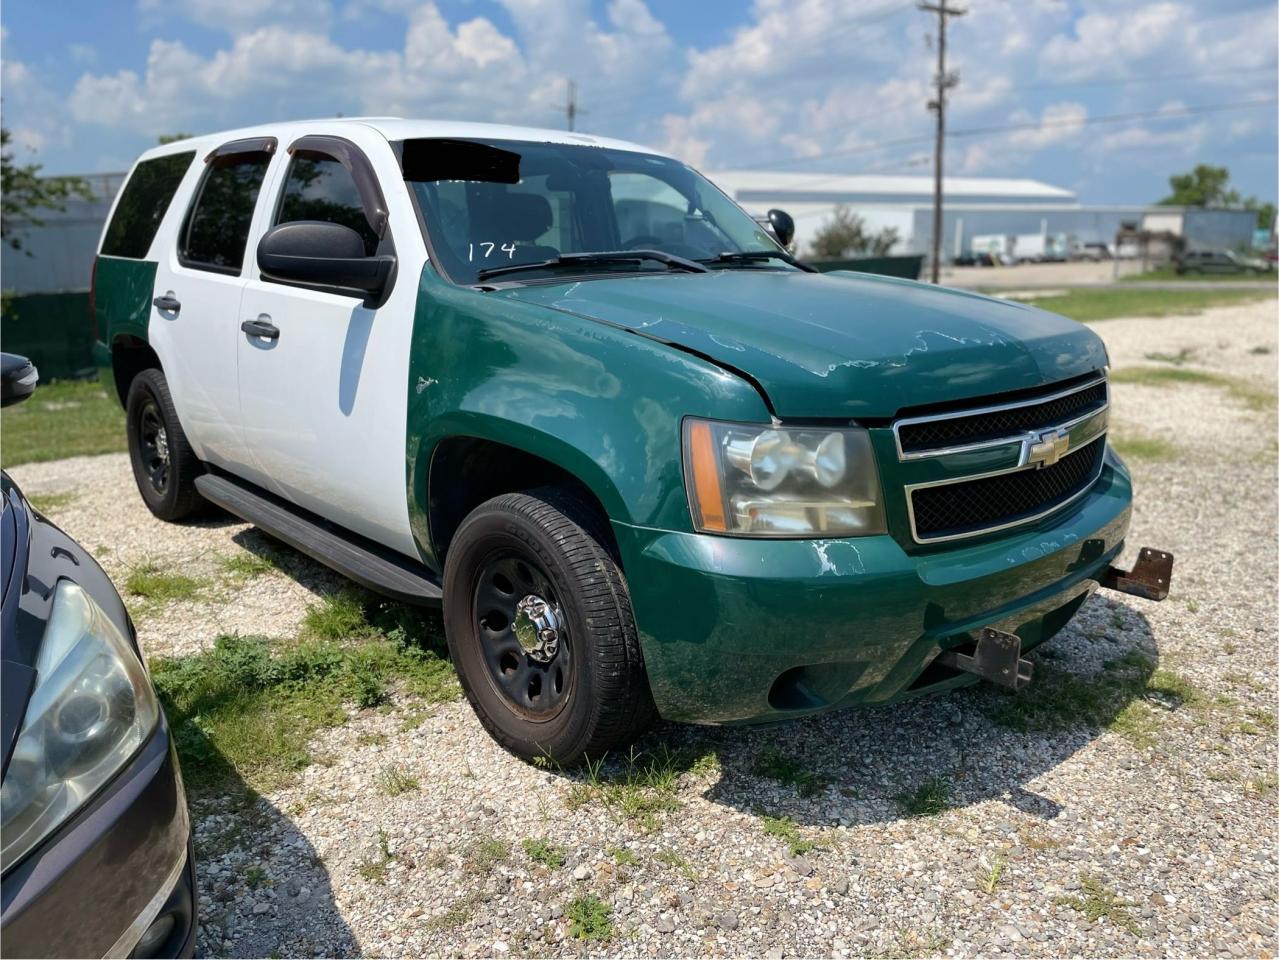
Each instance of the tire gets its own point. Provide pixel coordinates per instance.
(577, 696)
(164, 465)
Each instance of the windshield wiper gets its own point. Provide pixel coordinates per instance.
(758, 256)
(604, 257)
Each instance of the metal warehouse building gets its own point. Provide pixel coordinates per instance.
(974, 207)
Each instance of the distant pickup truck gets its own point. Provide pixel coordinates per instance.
(648, 463)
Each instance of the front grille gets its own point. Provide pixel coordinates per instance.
(996, 424)
(971, 506)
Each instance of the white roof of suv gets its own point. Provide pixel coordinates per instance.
(395, 128)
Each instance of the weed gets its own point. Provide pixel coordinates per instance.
(911, 944)
(621, 856)
(246, 566)
(588, 918)
(542, 851)
(927, 799)
(413, 719)
(1245, 392)
(371, 739)
(1263, 785)
(1261, 350)
(638, 789)
(773, 764)
(457, 914)
(1105, 303)
(1176, 359)
(149, 581)
(255, 877)
(1151, 449)
(485, 853)
(395, 781)
(676, 862)
(374, 869)
(1099, 901)
(46, 503)
(994, 873)
(337, 617)
(786, 830)
(1264, 719)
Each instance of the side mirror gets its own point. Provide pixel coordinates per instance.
(318, 253)
(783, 225)
(18, 378)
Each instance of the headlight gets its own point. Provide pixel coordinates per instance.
(91, 709)
(763, 481)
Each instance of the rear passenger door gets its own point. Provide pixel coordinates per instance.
(199, 282)
(324, 393)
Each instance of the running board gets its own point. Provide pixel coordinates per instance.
(353, 556)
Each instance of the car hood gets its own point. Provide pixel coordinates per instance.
(839, 344)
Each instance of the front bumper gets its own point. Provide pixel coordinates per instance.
(747, 630)
(95, 885)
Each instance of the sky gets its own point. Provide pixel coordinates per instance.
(821, 86)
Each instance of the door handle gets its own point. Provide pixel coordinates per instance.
(168, 303)
(261, 327)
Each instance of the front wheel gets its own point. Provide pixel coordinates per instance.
(540, 629)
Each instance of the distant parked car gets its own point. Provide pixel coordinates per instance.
(95, 839)
(975, 260)
(1220, 261)
(1091, 252)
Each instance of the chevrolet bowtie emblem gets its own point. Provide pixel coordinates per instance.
(1048, 449)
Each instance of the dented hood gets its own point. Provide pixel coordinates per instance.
(839, 344)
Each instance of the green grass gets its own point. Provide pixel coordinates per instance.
(255, 877)
(150, 582)
(338, 617)
(1107, 303)
(396, 781)
(47, 503)
(773, 764)
(1150, 449)
(1245, 392)
(63, 418)
(1098, 901)
(485, 853)
(589, 918)
(638, 788)
(1168, 274)
(786, 830)
(245, 710)
(374, 869)
(541, 850)
(622, 857)
(246, 566)
(927, 799)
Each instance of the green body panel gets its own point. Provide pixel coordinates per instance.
(123, 290)
(600, 402)
(856, 620)
(840, 344)
(596, 378)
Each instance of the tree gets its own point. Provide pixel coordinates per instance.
(23, 193)
(1209, 186)
(164, 138)
(845, 235)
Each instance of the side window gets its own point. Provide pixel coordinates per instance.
(217, 225)
(318, 187)
(142, 205)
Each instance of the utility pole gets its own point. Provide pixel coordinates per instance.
(944, 82)
(570, 106)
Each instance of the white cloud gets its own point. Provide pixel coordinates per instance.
(1057, 122)
(236, 16)
(1105, 42)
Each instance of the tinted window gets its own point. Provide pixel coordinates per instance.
(217, 227)
(320, 188)
(143, 203)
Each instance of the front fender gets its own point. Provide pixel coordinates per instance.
(603, 403)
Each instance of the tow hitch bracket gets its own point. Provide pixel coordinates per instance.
(1150, 577)
(997, 659)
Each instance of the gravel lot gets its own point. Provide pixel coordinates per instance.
(1079, 841)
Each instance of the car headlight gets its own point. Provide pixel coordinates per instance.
(91, 709)
(767, 481)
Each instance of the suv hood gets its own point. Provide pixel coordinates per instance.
(839, 344)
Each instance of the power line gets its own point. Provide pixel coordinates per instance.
(1168, 113)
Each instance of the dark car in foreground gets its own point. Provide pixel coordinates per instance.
(95, 839)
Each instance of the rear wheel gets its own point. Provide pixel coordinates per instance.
(540, 628)
(164, 465)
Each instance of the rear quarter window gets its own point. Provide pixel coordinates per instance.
(217, 225)
(143, 203)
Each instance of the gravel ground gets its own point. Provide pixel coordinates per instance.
(1070, 842)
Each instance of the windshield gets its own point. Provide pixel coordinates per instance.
(499, 203)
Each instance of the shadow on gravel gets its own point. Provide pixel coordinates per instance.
(262, 890)
(920, 757)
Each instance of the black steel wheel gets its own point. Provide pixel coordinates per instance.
(164, 465)
(524, 636)
(540, 628)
